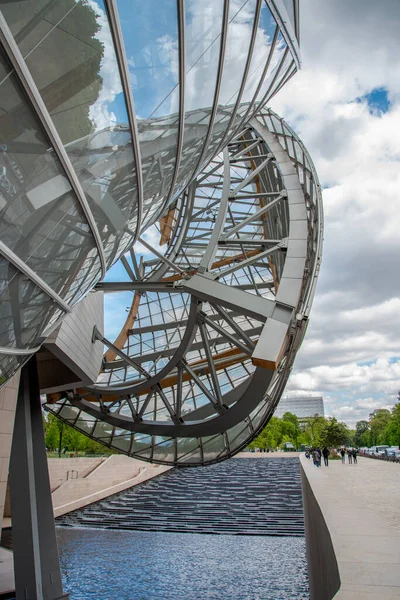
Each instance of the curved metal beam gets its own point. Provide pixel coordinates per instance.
(187, 339)
(21, 266)
(115, 27)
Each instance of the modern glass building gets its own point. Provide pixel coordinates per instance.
(109, 110)
(301, 406)
(136, 142)
(124, 122)
(216, 318)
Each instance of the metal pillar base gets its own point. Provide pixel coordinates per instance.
(36, 562)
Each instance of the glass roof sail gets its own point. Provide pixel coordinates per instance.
(82, 90)
(152, 45)
(113, 108)
(217, 328)
(202, 55)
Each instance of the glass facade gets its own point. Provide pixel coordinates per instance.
(187, 388)
(72, 203)
(118, 117)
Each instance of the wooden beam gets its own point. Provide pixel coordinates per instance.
(166, 227)
(110, 355)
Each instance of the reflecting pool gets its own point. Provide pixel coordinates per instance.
(137, 565)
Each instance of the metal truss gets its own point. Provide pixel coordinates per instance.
(218, 311)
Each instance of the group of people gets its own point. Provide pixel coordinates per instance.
(317, 455)
(351, 455)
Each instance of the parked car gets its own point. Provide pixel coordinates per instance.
(393, 451)
(288, 447)
(378, 450)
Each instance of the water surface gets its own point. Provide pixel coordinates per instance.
(140, 565)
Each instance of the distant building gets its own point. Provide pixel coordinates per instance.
(301, 406)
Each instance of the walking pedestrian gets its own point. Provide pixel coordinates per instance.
(320, 455)
(343, 455)
(315, 455)
(326, 453)
(355, 456)
(350, 455)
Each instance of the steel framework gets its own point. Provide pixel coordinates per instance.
(150, 117)
(216, 320)
(73, 143)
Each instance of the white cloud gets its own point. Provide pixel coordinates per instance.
(348, 51)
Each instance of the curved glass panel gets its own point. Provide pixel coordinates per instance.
(40, 218)
(150, 31)
(240, 28)
(73, 53)
(24, 308)
(203, 39)
(270, 82)
(9, 365)
(291, 10)
(262, 47)
(82, 90)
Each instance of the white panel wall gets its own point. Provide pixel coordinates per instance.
(72, 342)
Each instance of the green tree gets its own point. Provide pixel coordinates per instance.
(312, 428)
(362, 435)
(291, 419)
(60, 436)
(270, 437)
(333, 433)
(392, 430)
(378, 422)
(54, 431)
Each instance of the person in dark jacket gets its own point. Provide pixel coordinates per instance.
(343, 455)
(315, 456)
(325, 454)
(355, 456)
(350, 455)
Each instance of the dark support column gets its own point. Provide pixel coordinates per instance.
(36, 562)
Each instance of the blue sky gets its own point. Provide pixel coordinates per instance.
(377, 100)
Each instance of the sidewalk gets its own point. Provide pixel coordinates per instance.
(361, 510)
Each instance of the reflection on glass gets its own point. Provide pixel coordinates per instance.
(203, 38)
(69, 413)
(150, 31)
(24, 309)
(9, 365)
(289, 5)
(40, 218)
(241, 18)
(265, 91)
(82, 90)
(262, 49)
(188, 450)
(103, 431)
(164, 450)
(141, 444)
(122, 442)
(237, 435)
(213, 446)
